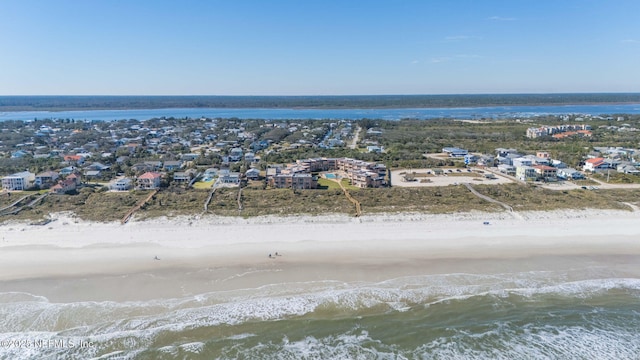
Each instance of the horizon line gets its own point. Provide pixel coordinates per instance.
(327, 95)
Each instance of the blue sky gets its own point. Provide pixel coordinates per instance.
(318, 47)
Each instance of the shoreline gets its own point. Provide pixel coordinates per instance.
(66, 248)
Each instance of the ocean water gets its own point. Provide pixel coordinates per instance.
(588, 310)
(488, 112)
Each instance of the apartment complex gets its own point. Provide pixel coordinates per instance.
(298, 175)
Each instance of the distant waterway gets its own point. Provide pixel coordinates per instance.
(489, 112)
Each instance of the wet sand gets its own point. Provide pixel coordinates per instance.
(71, 260)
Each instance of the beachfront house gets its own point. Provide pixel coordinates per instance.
(149, 181)
(18, 181)
(65, 186)
(229, 178)
(184, 176)
(122, 184)
(46, 179)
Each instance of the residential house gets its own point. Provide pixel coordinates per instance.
(507, 169)
(92, 174)
(546, 173)
(526, 173)
(97, 166)
(570, 174)
(68, 170)
(470, 159)
(522, 161)
(252, 174)
(183, 176)
(149, 181)
(558, 164)
(455, 152)
(18, 181)
(235, 154)
(188, 157)
(64, 186)
(595, 164)
(249, 157)
(172, 165)
(75, 177)
(154, 165)
(121, 184)
(19, 154)
(46, 179)
(76, 160)
(628, 169)
(228, 178)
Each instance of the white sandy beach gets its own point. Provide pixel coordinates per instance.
(312, 248)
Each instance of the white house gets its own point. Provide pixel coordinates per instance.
(522, 161)
(122, 184)
(229, 178)
(18, 181)
(594, 164)
(570, 174)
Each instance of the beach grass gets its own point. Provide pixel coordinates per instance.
(96, 205)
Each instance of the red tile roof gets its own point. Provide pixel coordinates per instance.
(150, 175)
(595, 161)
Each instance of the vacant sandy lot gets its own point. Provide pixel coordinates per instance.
(450, 177)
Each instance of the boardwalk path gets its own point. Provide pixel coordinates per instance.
(129, 214)
(484, 197)
(355, 202)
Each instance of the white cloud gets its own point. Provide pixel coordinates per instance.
(630, 41)
(500, 18)
(440, 60)
(415, 62)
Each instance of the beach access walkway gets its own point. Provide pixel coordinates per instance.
(489, 199)
(355, 202)
(129, 214)
(8, 211)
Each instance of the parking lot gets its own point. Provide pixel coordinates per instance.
(443, 177)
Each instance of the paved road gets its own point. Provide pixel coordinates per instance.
(356, 137)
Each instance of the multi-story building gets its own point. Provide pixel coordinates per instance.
(46, 179)
(360, 173)
(122, 184)
(293, 181)
(18, 181)
(149, 181)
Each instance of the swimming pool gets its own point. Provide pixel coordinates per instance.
(330, 176)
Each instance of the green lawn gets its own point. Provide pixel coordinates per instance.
(203, 184)
(327, 184)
